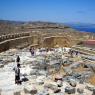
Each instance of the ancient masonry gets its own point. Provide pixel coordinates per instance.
(20, 40)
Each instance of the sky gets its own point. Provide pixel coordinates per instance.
(63, 11)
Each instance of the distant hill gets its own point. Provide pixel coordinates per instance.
(7, 27)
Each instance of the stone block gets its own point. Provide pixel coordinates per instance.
(59, 83)
(33, 72)
(40, 80)
(80, 91)
(52, 86)
(90, 87)
(57, 90)
(72, 82)
(45, 92)
(58, 78)
(68, 71)
(70, 90)
(30, 89)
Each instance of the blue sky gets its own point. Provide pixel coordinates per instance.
(48, 10)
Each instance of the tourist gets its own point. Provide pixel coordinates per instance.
(64, 49)
(76, 53)
(32, 51)
(71, 52)
(18, 59)
(17, 74)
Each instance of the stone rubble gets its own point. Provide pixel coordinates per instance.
(70, 90)
(45, 73)
(30, 89)
(80, 91)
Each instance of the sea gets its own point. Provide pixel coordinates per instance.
(83, 27)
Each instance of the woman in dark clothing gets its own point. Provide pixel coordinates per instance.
(18, 59)
(17, 74)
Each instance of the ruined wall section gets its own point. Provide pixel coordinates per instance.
(56, 41)
(62, 41)
(4, 46)
(48, 42)
(20, 42)
(39, 39)
(13, 36)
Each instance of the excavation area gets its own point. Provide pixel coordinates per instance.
(55, 71)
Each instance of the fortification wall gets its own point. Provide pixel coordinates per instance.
(21, 40)
(13, 36)
(18, 42)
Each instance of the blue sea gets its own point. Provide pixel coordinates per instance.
(83, 27)
(86, 29)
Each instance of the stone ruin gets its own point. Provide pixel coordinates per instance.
(52, 72)
(35, 39)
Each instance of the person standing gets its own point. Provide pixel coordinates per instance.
(17, 74)
(32, 51)
(18, 59)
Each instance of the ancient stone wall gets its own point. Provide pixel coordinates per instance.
(39, 39)
(48, 42)
(14, 43)
(4, 46)
(56, 41)
(18, 42)
(13, 36)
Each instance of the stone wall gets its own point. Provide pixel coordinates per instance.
(18, 42)
(13, 36)
(4, 46)
(39, 39)
(48, 42)
(56, 41)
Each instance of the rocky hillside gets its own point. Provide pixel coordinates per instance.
(15, 26)
(7, 27)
